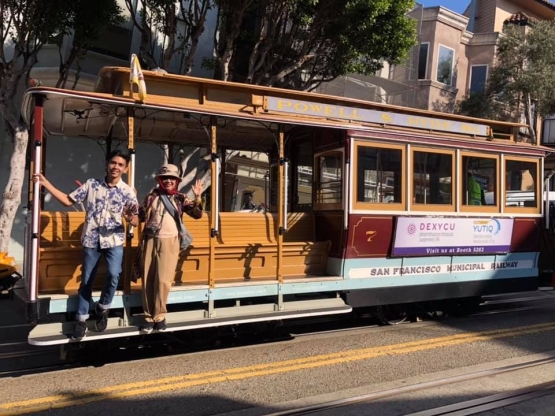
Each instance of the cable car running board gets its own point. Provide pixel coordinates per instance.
(59, 333)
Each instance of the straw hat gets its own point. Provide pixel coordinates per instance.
(169, 170)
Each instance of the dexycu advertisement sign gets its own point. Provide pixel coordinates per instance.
(451, 236)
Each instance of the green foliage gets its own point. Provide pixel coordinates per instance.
(29, 24)
(370, 32)
(481, 105)
(523, 73)
(90, 18)
(299, 44)
(169, 30)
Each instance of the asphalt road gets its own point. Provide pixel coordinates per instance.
(324, 365)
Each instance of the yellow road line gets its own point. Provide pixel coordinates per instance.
(240, 373)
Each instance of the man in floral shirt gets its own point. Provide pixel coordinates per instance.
(108, 202)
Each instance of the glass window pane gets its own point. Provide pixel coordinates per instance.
(480, 181)
(478, 78)
(548, 131)
(302, 193)
(330, 169)
(423, 61)
(520, 184)
(432, 178)
(379, 175)
(445, 65)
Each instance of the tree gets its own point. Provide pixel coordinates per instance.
(27, 25)
(88, 20)
(169, 29)
(521, 81)
(482, 105)
(302, 43)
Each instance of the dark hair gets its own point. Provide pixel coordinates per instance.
(119, 153)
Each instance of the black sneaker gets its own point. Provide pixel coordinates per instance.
(160, 326)
(79, 331)
(101, 318)
(147, 327)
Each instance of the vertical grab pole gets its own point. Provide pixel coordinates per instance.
(547, 193)
(131, 150)
(347, 176)
(282, 212)
(214, 209)
(285, 193)
(130, 230)
(32, 312)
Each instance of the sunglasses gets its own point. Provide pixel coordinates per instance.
(164, 178)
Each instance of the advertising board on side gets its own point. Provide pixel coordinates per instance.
(451, 236)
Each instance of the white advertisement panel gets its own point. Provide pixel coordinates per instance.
(451, 236)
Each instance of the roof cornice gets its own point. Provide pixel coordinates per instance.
(446, 16)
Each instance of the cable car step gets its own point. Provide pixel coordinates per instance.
(59, 333)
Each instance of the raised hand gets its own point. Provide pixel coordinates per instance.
(197, 188)
(129, 211)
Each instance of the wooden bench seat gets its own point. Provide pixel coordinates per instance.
(246, 249)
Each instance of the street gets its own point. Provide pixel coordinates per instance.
(310, 368)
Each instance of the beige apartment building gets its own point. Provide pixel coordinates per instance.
(453, 57)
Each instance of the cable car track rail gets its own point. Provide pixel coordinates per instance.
(494, 401)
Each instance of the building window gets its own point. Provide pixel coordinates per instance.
(423, 60)
(445, 61)
(548, 131)
(478, 77)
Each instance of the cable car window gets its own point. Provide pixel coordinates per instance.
(379, 174)
(302, 192)
(432, 178)
(521, 183)
(479, 181)
(329, 179)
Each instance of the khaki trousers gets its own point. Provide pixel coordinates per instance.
(160, 261)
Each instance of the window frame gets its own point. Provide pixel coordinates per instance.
(434, 207)
(470, 78)
(323, 206)
(450, 84)
(480, 208)
(538, 186)
(365, 206)
(427, 61)
(548, 139)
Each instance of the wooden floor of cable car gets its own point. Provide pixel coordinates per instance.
(59, 333)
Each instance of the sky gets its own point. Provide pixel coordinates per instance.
(456, 5)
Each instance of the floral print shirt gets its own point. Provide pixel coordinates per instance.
(104, 212)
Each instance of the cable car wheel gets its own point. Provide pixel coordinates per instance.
(391, 314)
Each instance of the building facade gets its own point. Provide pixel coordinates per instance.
(453, 56)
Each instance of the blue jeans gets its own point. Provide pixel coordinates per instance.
(91, 258)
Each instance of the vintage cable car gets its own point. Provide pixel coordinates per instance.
(358, 204)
